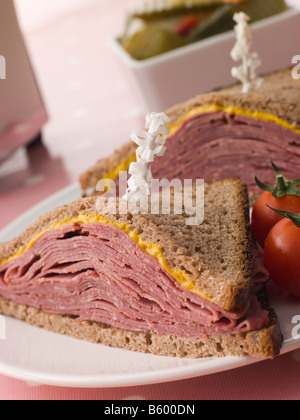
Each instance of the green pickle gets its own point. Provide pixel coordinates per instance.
(222, 19)
(151, 41)
(159, 26)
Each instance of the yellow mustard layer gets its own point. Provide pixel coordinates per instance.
(174, 127)
(123, 166)
(152, 249)
(232, 110)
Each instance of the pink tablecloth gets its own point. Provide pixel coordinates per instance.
(92, 111)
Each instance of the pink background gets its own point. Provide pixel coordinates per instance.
(92, 109)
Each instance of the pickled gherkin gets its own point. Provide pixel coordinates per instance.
(159, 26)
(222, 19)
(151, 41)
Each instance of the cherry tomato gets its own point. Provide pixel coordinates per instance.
(282, 256)
(263, 218)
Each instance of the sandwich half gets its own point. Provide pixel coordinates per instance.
(224, 134)
(144, 282)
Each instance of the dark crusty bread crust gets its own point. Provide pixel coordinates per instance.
(217, 254)
(278, 96)
(263, 343)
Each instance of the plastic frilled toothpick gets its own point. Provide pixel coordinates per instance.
(151, 144)
(246, 73)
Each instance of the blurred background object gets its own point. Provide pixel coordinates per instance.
(176, 49)
(157, 26)
(91, 106)
(22, 112)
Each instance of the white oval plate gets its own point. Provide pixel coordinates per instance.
(41, 357)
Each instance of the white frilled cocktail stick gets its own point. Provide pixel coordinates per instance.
(246, 73)
(151, 144)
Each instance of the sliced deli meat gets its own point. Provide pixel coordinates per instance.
(218, 144)
(98, 273)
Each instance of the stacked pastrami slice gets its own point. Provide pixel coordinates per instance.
(96, 272)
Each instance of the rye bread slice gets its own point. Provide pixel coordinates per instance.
(217, 254)
(264, 343)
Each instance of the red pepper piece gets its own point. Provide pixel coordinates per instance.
(186, 25)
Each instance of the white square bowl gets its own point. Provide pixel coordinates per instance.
(178, 75)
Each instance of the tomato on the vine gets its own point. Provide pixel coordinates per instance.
(284, 196)
(263, 218)
(282, 253)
